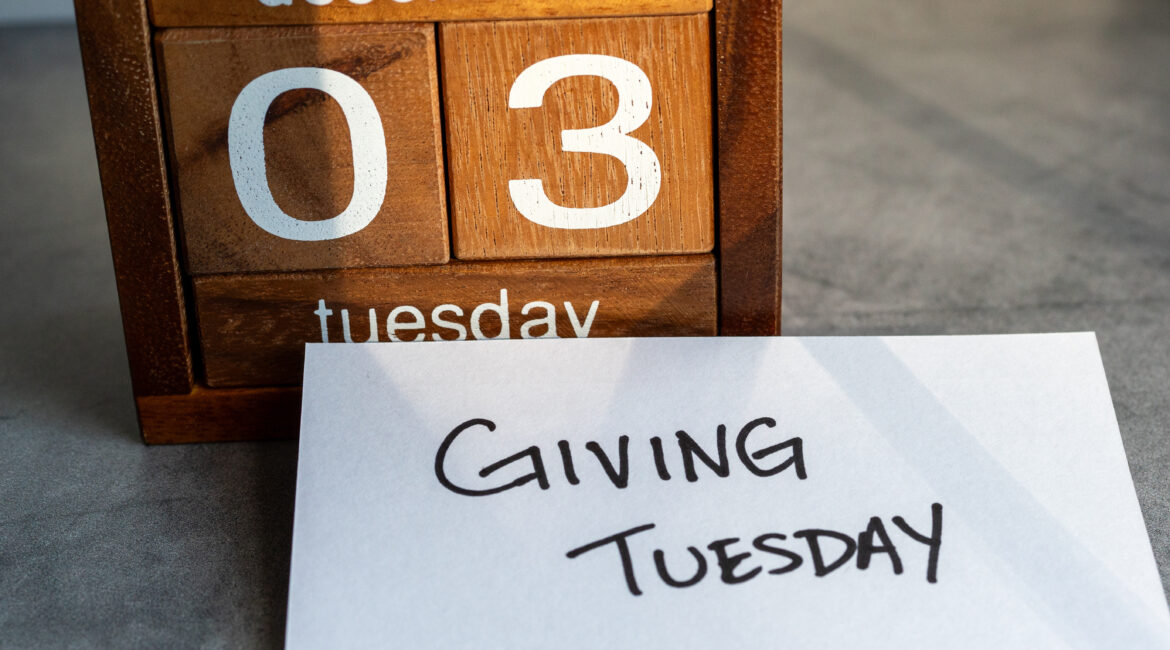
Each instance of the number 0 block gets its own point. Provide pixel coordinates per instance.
(579, 138)
(305, 148)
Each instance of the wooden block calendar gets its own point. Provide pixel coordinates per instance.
(280, 172)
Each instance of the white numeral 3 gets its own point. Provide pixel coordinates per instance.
(643, 170)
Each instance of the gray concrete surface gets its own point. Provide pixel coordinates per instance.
(950, 167)
(35, 11)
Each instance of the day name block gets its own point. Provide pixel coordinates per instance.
(579, 138)
(253, 327)
(304, 148)
(176, 13)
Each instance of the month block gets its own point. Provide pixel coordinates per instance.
(306, 147)
(253, 328)
(579, 138)
(176, 13)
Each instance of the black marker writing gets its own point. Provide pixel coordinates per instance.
(623, 551)
(614, 460)
(828, 551)
(934, 541)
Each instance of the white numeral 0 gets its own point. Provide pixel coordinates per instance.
(246, 151)
(643, 170)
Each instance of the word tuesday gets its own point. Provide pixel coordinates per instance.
(739, 561)
(406, 323)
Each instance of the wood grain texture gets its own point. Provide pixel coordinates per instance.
(180, 13)
(308, 146)
(119, 76)
(489, 144)
(207, 415)
(253, 328)
(748, 74)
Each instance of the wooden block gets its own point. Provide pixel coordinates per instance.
(185, 13)
(253, 327)
(123, 103)
(220, 415)
(640, 179)
(306, 147)
(750, 155)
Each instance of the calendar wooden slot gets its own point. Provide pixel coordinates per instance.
(253, 328)
(220, 415)
(750, 137)
(123, 103)
(185, 13)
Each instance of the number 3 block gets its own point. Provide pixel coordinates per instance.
(305, 148)
(579, 138)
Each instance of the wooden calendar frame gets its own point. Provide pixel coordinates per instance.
(173, 405)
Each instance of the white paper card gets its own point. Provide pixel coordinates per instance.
(957, 492)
